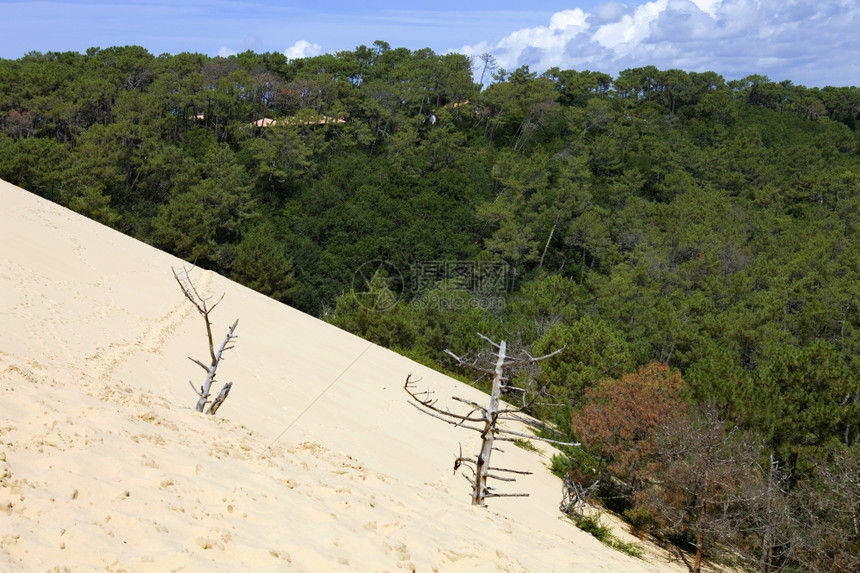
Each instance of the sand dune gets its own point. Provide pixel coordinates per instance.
(316, 462)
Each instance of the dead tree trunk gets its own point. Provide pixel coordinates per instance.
(488, 436)
(202, 306)
(484, 420)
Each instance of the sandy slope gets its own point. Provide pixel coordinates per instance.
(316, 462)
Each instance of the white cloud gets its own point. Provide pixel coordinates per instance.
(607, 12)
(542, 45)
(226, 52)
(808, 43)
(624, 35)
(303, 49)
(708, 6)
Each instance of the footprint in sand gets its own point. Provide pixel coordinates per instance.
(104, 360)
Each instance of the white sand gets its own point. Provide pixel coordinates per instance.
(316, 462)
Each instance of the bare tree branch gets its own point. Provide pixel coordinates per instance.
(542, 439)
(195, 361)
(450, 419)
(497, 346)
(462, 363)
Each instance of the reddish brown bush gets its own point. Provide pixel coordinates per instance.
(621, 418)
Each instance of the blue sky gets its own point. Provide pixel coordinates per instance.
(813, 43)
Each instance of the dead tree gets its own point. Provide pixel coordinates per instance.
(574, 496)
(202, 306)
(484, 420)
